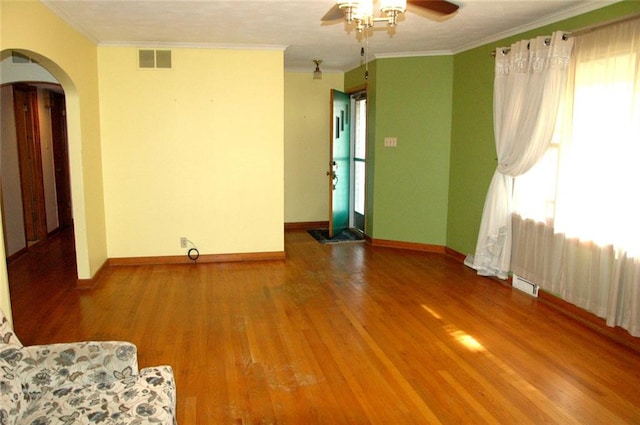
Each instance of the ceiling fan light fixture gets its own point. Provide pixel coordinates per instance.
(317, 74)
(361, 12)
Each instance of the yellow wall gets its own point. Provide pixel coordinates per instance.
(196, 151)
(30, 27)
(193, 151)
(5, 300)
(306, 145)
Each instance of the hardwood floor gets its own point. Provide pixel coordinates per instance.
(337, 334)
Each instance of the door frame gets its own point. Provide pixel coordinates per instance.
(354, 96)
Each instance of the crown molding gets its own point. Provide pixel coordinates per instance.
(412, 54)
(566, 14)
(170, 45)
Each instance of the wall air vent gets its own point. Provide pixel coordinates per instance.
(525, 285)
(163, 58)
(149, 58)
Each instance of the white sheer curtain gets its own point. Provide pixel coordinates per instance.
(587, 250)
(529, 82)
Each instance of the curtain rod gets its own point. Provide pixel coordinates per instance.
(582, 31)
(547, 41)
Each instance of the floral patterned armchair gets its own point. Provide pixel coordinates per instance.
(80, 383)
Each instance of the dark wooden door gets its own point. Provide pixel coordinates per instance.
(61, 158)
(25, 102)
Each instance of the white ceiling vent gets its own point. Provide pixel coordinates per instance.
(148, 58)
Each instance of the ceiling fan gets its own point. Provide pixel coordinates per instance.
(361, 11)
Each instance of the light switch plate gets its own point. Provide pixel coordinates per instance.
(390, 142)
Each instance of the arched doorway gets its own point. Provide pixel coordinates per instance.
(72, 130)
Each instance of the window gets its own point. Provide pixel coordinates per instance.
(587, 183)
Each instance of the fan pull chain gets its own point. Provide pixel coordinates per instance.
(364, 52)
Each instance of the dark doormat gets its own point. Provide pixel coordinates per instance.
(347, 235)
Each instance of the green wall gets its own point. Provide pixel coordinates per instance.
(430, 189)
(473, 157)
(410, 99)
(413, 104)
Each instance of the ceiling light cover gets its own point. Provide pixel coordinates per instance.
(364, 11)
(399, 6)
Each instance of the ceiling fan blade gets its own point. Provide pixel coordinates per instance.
(439, 6)
(333, 14)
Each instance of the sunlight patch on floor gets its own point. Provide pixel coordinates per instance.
(432, 312)
(462, 337)
(467, 341)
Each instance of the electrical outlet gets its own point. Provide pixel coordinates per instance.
(183, 242)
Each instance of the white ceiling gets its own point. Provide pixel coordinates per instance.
(296, 27)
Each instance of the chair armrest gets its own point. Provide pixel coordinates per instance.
(147, 398)
(43, 367)
(161, 386)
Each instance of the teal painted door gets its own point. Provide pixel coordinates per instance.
(340, 151)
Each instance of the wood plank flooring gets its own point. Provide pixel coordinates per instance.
(337, 334)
